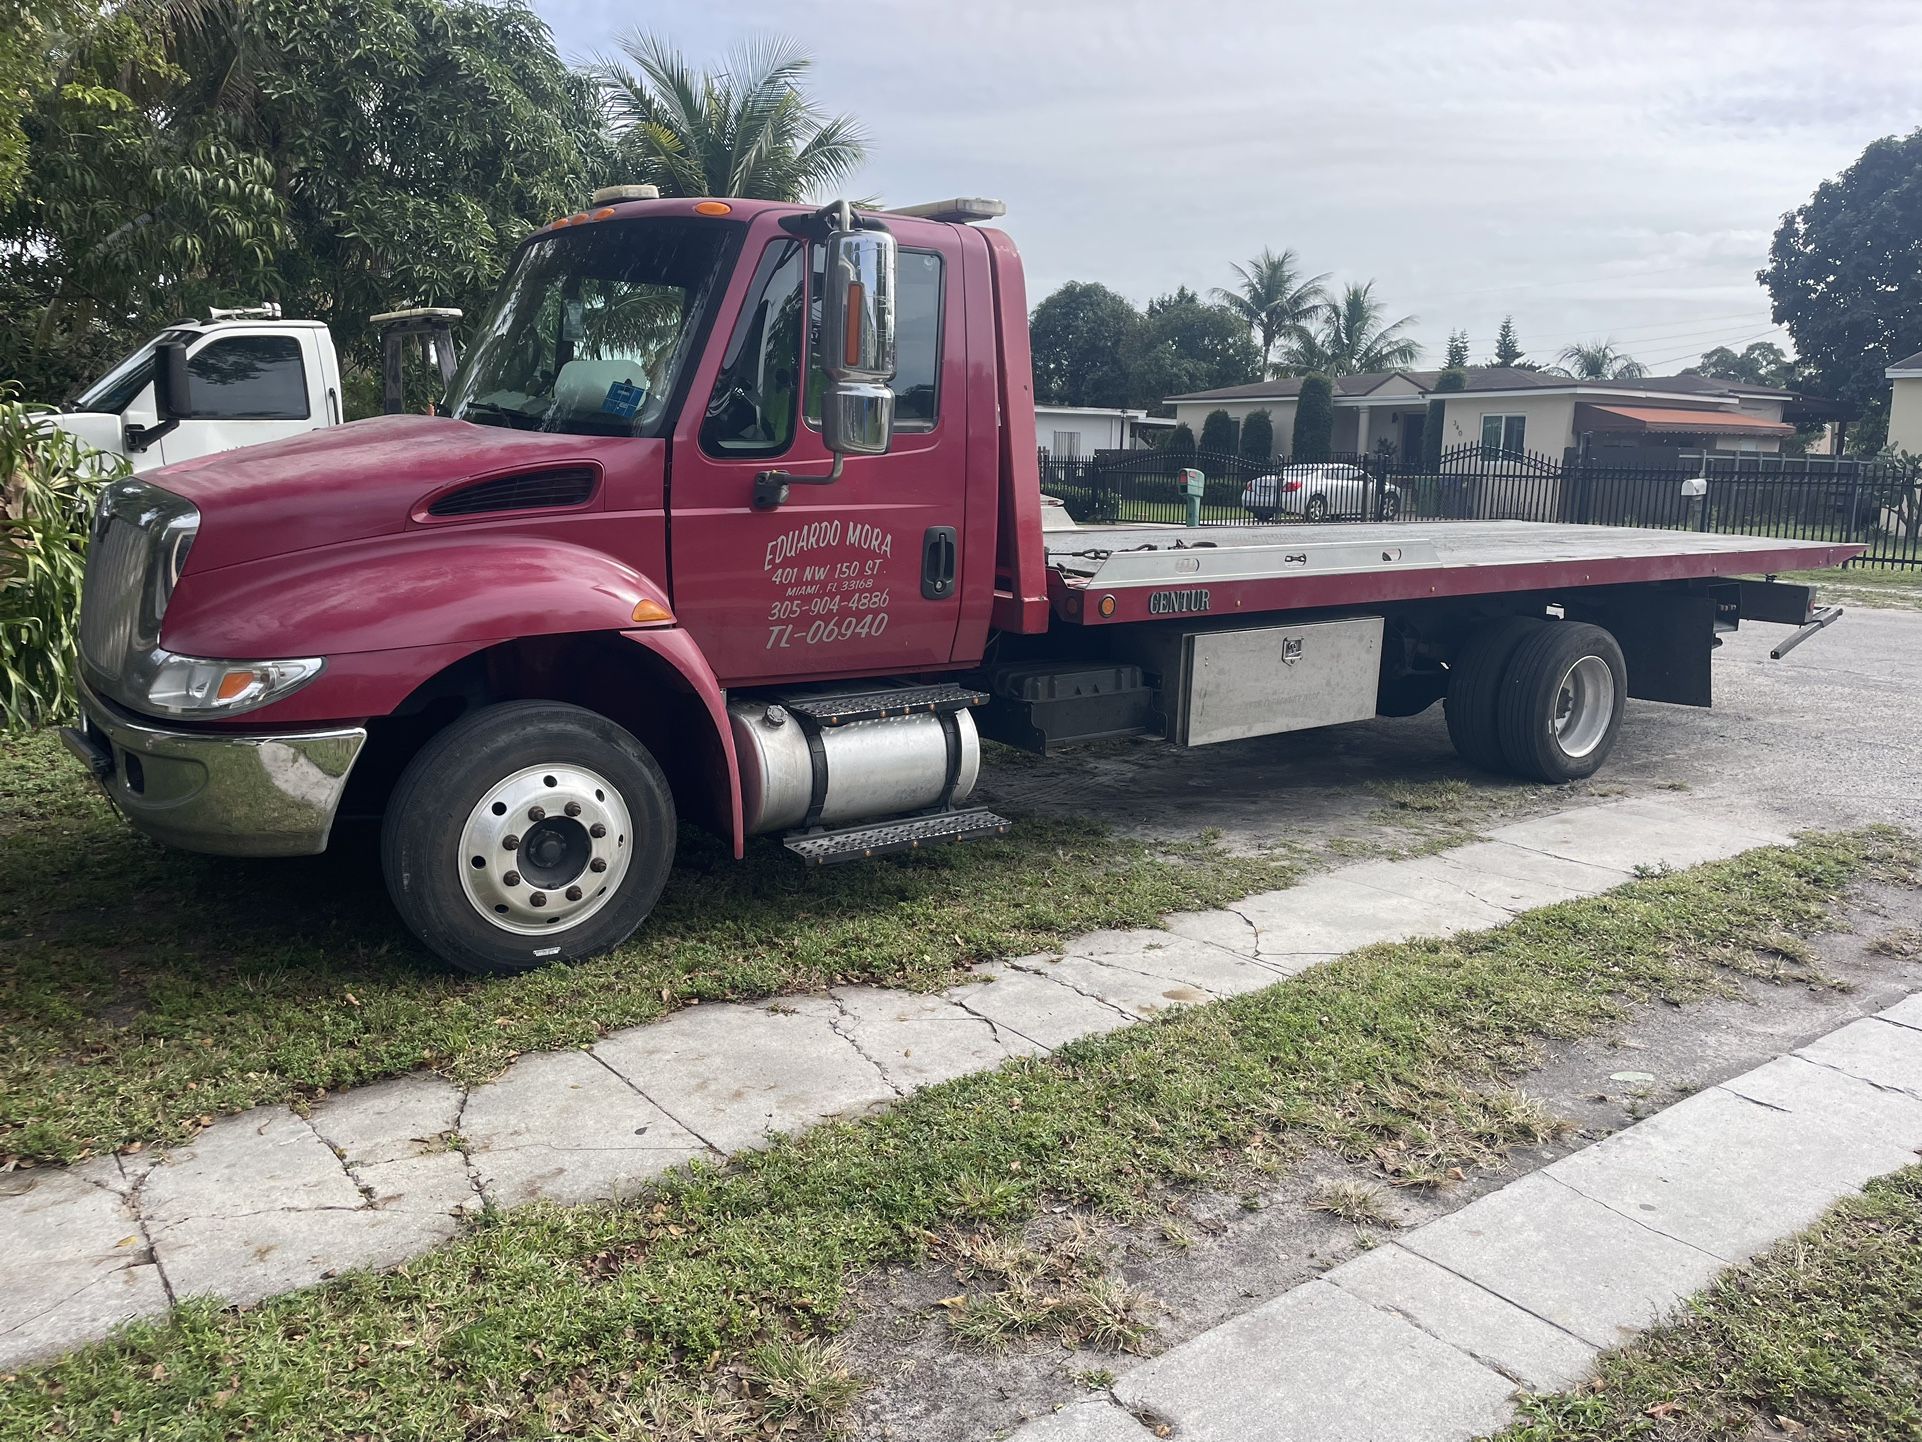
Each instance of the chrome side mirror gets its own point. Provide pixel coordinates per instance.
(857, 340)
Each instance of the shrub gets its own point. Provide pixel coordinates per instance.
(1314, 420)
(47, 485)
(1219, 433)
(1181, 442)
(1450, 380)
(1258, 436)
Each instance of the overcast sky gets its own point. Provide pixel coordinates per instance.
(1597, 171)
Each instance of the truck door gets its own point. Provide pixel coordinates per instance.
(245, 387)
(860, 577)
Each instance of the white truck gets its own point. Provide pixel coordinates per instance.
(235, 379)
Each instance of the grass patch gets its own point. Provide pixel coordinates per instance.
(1360, 1203)
(1057, 1289)
(540, 1322)
(1819, 1338)
(1892, 588)
(145, 991)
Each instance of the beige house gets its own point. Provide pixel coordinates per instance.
(1905, 403)
(1509, 409)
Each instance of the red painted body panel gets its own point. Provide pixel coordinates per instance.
(681, 652)
(1021, 570)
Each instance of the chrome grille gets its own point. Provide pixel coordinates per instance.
(110, 596)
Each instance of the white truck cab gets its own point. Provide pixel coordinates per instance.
(249, 377)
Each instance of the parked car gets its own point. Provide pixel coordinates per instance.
(1317, 491)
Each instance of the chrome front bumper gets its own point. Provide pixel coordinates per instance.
(228, 794)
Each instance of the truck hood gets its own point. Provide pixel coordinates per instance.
(347, 483)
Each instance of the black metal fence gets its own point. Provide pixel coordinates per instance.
(1877, 504)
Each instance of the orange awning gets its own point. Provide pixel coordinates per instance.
(1672, 420)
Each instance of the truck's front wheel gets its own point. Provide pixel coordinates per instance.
(527, 833)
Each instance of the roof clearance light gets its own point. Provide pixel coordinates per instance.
(610, 194)
(712, 207)
(603, 212)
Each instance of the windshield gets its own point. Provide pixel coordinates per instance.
(591, 328)
(115, 391)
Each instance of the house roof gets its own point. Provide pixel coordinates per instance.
(1666, 420)
(1902, 369)
(1503, 379)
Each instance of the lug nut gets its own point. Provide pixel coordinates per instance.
(573, 808)
(539, 898)
(512, 842)
(597, 831)
(597, 864)
(536, 813)
(573, 893)
(513, 878)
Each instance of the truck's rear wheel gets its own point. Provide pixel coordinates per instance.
(1474, 688)
(1561, 702)
(527, 833)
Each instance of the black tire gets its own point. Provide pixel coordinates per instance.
(1317, 509)
(1263, 516)
(1474, 685)
(1548, 731)
(427, 833)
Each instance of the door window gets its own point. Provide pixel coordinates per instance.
(751, 411)
(248, 378)
(917, 340)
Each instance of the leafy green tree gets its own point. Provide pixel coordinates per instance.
(1219, 434)
(1600, 360)
(1433, 432)
(1845, 276)
(1760, 363)
(1457, 354)
(1274, 299)
(1186, 344)
(1083, 338)
(1258, 435)
(1354, 337)
(1181, 442)
(1314, 420)
(747, 129)
(1508, 350)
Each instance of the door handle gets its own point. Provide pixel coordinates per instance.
(939, 547)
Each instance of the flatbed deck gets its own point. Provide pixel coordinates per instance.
(1111, 574)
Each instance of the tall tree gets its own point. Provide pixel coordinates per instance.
(1314, 420)
(1274, 298)
(1433, 435)
(1457, 354)
(1219, 433)
(747, 129)
(1760, 363)
(1508, 350)
(1258, 435)
(1083, 338)
(1845, 276)
(1354, 337)
(1188, 345)
(1600, 360)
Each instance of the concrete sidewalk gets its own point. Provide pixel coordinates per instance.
(1428, 1338)
(269, 1201)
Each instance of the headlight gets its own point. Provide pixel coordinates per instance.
(187, 686)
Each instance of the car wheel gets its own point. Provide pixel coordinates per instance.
(527, 833)
(1317, 508)
(1263, 516)
(1474, 688)
(1562, 698)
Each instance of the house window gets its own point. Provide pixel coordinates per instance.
(1067, 443)
(917, 339)
(248, 378)
(1503, 433)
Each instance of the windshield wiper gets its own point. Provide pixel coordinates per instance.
(477, 411)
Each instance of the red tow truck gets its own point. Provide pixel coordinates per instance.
(733, 516)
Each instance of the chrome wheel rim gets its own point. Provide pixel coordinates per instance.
(1584, 706)
(545, 849)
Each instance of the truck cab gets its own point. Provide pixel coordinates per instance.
(251, 377)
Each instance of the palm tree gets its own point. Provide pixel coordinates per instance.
(1274, 299)
(1600, 361)
(1353, 338)
(745, 130)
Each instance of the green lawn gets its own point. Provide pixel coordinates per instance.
(704, 1306)
(1819, 1338)
(144, 991)
(1894, 588)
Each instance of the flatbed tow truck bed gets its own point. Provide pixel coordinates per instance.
(1112, 575)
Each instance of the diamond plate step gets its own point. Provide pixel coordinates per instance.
(856, 843)
(876, 705)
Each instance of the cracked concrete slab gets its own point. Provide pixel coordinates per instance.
(1907, 1012)
(1046, 1012)
(560, 1126)
(1136, 993)
(919, 1040)
(1226, 928)
(1729, 1175)
(437, 1182)
(1497, 874)
(733, 1074)
(77, 1260)
(1625, 835)
(388, 1120)
(263, 1160)
(1491, 1329)
(1566, 1258)
(1095, 1420)
(245, 1259)
(1336, 913)
(1881, 1053)
(1794, 1084)
(1318, 1365)
(1182, 959)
